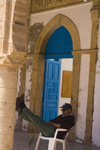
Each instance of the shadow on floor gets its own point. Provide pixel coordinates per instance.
(21, 140)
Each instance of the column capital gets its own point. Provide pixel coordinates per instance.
(95, 13)
(86, 51)
(38, 55)
(95, 3)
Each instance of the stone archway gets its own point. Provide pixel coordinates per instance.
(51, 26)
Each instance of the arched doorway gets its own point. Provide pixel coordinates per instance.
(58, 47)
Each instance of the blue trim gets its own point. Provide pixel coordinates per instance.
(58, 56)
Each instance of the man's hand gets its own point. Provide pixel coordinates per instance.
(55, 124)
(47, 121)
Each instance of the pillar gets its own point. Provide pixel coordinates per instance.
(36, 86)
(90, 101)
(8, 91)
(74, 91)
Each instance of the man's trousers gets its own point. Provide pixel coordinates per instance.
(46, 129)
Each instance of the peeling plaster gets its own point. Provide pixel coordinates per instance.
(34, 32)
(29, 67)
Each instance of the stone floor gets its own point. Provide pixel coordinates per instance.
(21, 140)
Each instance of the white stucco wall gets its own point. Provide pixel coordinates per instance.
(80, 15)
(96, 114)
(82, 98)
(66, 65)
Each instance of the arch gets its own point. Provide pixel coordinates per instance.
(52, 25)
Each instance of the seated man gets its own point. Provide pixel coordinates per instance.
(65, 120)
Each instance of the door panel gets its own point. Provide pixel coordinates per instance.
(51, 90)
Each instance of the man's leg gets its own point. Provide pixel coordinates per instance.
(45, 128)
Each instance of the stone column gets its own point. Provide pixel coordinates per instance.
(9, 65)
(93, 58)
(8, 91)
(90, 101)
(75, 91)
(36, 86)
(95, 24)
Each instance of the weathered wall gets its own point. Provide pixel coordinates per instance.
(80, 15)
(34, 32)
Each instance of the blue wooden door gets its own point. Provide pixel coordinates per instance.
(51, 90)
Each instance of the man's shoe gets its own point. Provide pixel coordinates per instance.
(22, 104)
(18, 103)
(22, 98)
